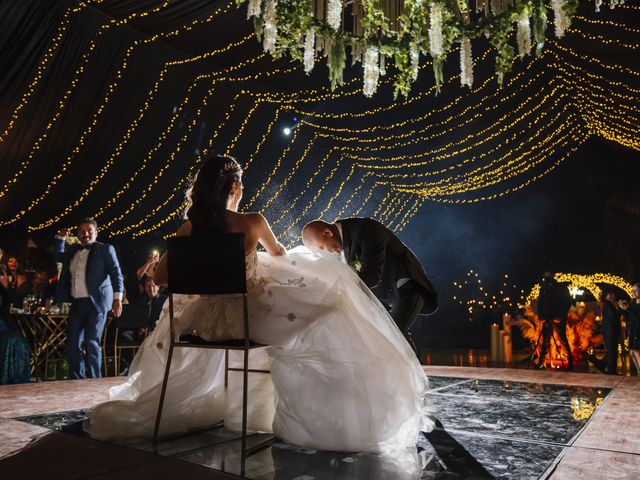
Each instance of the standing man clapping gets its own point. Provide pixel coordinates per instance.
(92, 281)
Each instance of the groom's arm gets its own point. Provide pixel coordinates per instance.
(373, 251)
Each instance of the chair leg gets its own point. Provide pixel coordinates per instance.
(162, 394)
(226, 368)
(245, 389)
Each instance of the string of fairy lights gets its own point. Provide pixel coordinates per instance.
(54, 44)
(365, 160)
(64, 101)
(111, 89)
(476, 298)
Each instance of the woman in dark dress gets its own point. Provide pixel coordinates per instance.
(15, 358)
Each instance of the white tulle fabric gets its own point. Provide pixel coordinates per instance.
(342, 375)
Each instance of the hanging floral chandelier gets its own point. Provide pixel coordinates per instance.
(400, 31)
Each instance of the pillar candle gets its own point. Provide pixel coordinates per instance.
(501, 346)
(507, 348)
(495, 338)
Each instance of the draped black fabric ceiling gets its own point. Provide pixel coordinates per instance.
(107, 107)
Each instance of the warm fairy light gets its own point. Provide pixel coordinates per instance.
(129, 133)
(577, 282)
(472, 295)
(63, 102)
(395, 165)
(44, 62)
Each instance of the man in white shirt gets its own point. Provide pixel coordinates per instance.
(92, 281)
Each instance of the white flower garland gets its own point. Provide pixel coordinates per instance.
(254, 8)
(415, 61)
(309, 50)
(281, 34)
(270, 26)
(436, 46)
(466, 63)
(524, 34)
(560, 19)
(371, 71)
(334, 14)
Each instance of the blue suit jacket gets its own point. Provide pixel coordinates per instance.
(103, 274)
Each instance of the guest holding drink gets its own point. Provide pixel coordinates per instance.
(92, 281)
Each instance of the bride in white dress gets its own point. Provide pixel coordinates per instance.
(343, 377)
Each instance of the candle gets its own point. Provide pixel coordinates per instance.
(495, 338)
(506, 323)
(501, 346)
(507, 348)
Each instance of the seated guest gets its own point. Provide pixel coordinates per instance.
(16, 276)
(154, 299)
(15, 358)
(39, 286)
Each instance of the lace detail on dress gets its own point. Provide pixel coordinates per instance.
(251, 266)
(215, 317)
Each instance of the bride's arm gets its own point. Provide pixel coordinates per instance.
(160, 275)
(266, 237)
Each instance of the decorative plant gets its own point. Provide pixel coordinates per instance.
(402, 31)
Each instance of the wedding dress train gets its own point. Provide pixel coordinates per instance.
(342, 375)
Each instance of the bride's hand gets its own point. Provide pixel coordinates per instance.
(280, 251)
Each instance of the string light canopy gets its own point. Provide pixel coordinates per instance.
(401, 31)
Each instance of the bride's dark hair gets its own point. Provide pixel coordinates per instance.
(207, 197)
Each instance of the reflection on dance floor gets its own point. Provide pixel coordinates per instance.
(488, 429)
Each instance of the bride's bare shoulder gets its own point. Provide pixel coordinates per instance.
(251, 218)
(185, 229)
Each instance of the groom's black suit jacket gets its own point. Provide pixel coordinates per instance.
(384, 259)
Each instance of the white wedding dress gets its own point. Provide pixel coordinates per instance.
(343, 377)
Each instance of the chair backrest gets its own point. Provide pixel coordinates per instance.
(134, 315)
(211, 264)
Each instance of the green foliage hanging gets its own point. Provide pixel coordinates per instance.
(424, 27)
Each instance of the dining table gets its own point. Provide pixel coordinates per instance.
(46, 333)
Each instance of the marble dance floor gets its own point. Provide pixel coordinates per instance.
(498, 423)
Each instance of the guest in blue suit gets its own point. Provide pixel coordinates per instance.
(92, 281)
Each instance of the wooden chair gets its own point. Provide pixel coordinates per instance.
(210, 265)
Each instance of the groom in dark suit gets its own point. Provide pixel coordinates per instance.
(92, 281)
(388, 267)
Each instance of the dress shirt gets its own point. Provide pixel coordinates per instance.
(78, 270)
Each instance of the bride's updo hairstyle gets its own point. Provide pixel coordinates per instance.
(208, 195)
